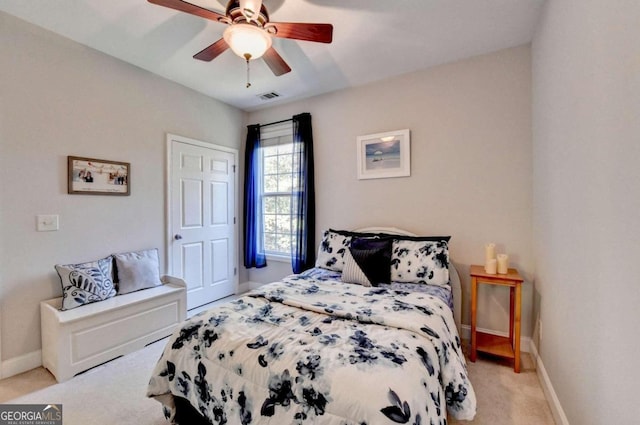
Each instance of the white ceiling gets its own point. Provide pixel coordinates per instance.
(372, 40)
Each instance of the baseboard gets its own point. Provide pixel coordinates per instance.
(248, 286)
(21, 364)
(525, 341)
(552, 398)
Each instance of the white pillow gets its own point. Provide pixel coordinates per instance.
(415, 261)
(137, 270)
(332, 250)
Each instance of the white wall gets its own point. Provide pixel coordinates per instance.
(470, 125)
(60, 98)
(586, 85)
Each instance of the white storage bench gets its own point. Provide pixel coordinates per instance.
(78, 339)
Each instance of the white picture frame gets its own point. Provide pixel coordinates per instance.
(384, 155)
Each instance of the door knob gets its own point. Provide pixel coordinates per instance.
(177, 237)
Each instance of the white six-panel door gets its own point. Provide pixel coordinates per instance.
(202, 232)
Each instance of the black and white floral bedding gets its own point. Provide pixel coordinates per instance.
(323, 275)
(308, 350)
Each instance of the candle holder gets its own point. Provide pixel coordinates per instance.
(503, 264)
(490, 266)
(489, 252)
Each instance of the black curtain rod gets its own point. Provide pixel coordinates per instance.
(276, 122)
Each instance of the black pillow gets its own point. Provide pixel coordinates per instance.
(374, 258)
(416, 238)
(390, 235)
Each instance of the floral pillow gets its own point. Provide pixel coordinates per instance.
(332, 250)
(420, 261)
(86, 283)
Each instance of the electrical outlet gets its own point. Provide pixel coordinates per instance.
(47, 222)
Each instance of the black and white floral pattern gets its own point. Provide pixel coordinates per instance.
(424, 262)
(86, 282)
(332, 250)
(312, 351)
(323, 275)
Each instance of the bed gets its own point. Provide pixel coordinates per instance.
(316, 348)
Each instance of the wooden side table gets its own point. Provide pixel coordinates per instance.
(508, 347)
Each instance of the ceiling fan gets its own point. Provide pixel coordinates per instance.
(250, 31)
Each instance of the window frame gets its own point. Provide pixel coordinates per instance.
(277, 131)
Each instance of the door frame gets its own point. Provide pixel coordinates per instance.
(169, 225)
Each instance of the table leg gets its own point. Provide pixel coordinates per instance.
(511, 314)
(516, 366)
(474, 302)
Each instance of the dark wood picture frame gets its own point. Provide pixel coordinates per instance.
(91, 176)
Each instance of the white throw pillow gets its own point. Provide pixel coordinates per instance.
(137, 270)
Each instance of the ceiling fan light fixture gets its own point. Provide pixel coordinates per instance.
(247, 39)
(251, 9)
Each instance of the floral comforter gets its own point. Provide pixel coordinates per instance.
(321, 352)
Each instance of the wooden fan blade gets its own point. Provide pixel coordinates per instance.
(183, 6)
(275, 62)
(210, 53)
(322, 33)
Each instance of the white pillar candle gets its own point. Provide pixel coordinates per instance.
(489, 252)
(490, 266)
(503, 263)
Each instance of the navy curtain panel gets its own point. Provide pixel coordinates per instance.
(253, 242)
(304, 222)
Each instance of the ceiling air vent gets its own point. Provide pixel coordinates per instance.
(268, 96)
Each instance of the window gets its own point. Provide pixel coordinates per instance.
(280, 169)
(284, 216)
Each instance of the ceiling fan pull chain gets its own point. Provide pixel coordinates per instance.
(247, 56)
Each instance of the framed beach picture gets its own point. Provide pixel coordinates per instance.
(384, 155)
(90, 176)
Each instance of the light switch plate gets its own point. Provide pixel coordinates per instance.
(47, 222)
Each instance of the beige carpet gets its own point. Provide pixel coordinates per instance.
(505, 397)
(115, 393)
